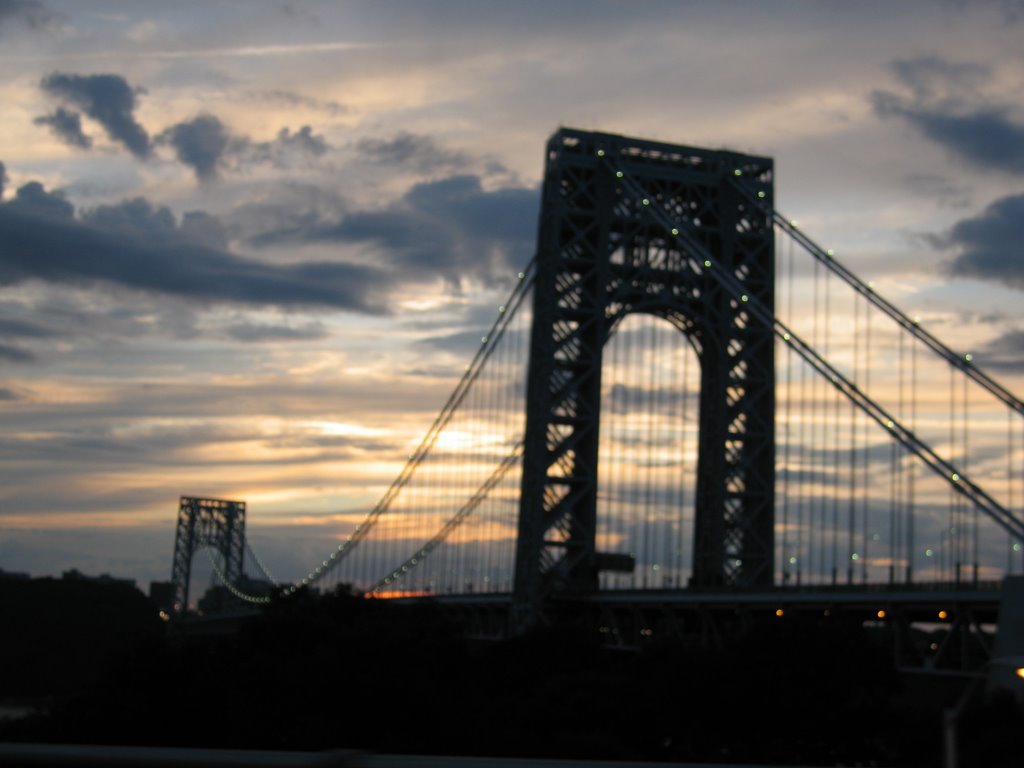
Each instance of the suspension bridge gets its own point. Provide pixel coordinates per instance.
(685, 406)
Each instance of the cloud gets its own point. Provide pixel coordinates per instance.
(206, 145)
(67, 126)
(201, 227)
(990, 243)
(15, 354)
(450, 228)
(3, 179)
(932, 77)
(1005, 352)
(463, 343)
(14, 330)
(249, 332)
(285, 148)
(293, 99)
(137, 246)
(9, 327)
(199, 143)
(8, 394)
(423, 154)
(107, 99)
(33, 200)
(31, 13)
(986, 139)
(411, 150)
(945, 108)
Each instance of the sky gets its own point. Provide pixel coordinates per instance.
(247, 248)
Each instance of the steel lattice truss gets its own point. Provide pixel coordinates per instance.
(601, 256)
(207, 523)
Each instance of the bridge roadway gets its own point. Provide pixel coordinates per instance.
(916, 602)
(632, 617)
(629, 618)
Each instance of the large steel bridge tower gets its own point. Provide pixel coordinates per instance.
(605, 250)
(207, 523)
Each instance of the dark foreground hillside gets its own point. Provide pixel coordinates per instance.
(343, 672)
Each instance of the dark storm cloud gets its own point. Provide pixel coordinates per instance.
(32, 199)
(107, 99)
(199, 143)
(986, 139)
(991, 244)
(451, 228)
(206, 145)
(136, 246)
(8, 394)
(67, 126)
(3, 180)
(1005, 352)
(942, 106)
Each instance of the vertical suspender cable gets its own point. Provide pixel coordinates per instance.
(912, 465)
(954, 555)
(787, 416)
(814, 502)
(864, 520)
(854, 424)
(1009, 486)
(684, 407)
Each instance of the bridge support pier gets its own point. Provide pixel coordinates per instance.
(602, 254)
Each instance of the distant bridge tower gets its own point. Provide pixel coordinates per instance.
(602, 254)
(207, 523)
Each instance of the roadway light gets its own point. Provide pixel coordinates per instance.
(1019, 671)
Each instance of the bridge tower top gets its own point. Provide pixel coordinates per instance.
(212, 523)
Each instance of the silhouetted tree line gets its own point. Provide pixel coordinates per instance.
(339, 671)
